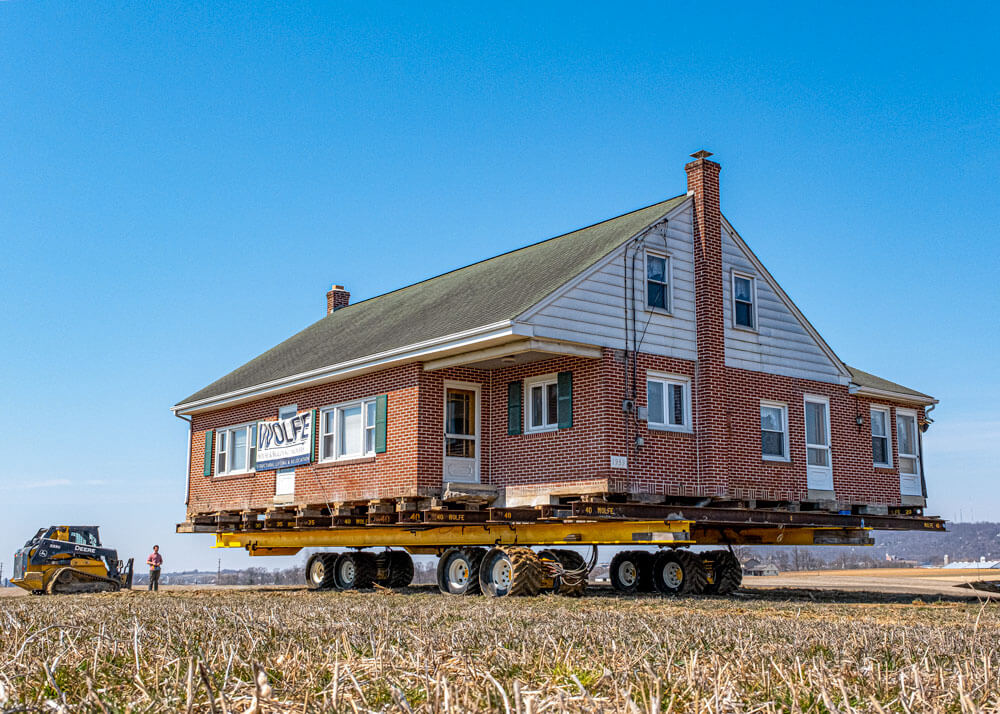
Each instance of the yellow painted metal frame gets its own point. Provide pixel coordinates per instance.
(431, 539)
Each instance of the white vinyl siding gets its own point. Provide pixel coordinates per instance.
(881, 437)
(774, 431)
(235, 449)
(668, 402)
(591, 310)
(778, 344)
(347, 431)
(543, 403)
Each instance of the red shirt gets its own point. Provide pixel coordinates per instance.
(155, 560)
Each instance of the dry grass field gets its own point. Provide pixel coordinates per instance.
(287, 650)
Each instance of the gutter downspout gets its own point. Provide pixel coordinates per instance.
(920, 445)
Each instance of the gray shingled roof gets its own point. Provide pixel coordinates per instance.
(484, 293)
(865, 379)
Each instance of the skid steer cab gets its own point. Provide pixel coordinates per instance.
(62, 560)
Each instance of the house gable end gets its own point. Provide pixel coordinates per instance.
(783, 341)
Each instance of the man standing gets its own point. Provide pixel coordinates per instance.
(154, 562)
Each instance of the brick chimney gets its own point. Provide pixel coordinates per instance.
(337, 298)
(710, 374)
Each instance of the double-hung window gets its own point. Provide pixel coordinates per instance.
(818, 432)
(668, 402)
(347, 431)
(236, 449)
(744, 301)
(658, 282)
(881, 437)
(543, 403)
(909, 452)
(774, 431)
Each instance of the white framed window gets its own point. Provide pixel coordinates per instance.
(668, 401)
(236, 449)
(774, 431)
(543, 403)
(347, 431)
(658, 282)
(881, 437)
(909, 450)
(744, 301)
(817, 432)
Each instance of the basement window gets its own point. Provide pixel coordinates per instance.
(658, 282)
(774, 431)
(668, 399)
(347, 431)
(881, 438)
(236, 450)
(744, 301)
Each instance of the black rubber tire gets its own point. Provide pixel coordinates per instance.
(400, 569)
(524, 572)
(625, 571)
(695, 575)
(365, 570)
(319, 574)
(570, 560)
(472, 558)
(689, 576)
(728, 573)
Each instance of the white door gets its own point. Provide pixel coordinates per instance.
(284, 479)
(461, 432)
(819, 467)
(909, 453)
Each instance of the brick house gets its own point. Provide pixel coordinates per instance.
(650, 357)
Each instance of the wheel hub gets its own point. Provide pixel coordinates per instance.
(673, 575)
(501, 574)
(458, 573)
(627, 573)
(318, 571)
(347, 571)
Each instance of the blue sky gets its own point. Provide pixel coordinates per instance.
(180, 185)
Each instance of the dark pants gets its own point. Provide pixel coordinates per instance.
(154, 579)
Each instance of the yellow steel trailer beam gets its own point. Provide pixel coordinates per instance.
(432, 539)
(282, 542)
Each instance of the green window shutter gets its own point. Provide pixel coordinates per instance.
(514, 408)
(381, 408)
(565, 404)
(312, 435)
(208, 452)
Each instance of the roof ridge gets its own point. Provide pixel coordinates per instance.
(508, 252)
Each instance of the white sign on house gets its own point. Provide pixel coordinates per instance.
(286, 442)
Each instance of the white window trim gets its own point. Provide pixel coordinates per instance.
(670, 281)
(753, 296)
(336, 409)
(911, 414)
(542, 381)
(666, 379)
(215, 449)
(818, 399)
(889, 421)
(784, 434)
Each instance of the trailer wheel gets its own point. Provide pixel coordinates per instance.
(400, 569)
(355, 571)
(458, 571)
(727, 573)
(625, 571)
(574, 582)
(679, 572)
(319, 571)
(511, 570)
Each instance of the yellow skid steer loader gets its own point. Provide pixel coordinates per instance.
(69, 559)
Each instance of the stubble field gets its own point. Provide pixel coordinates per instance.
(295, 651)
